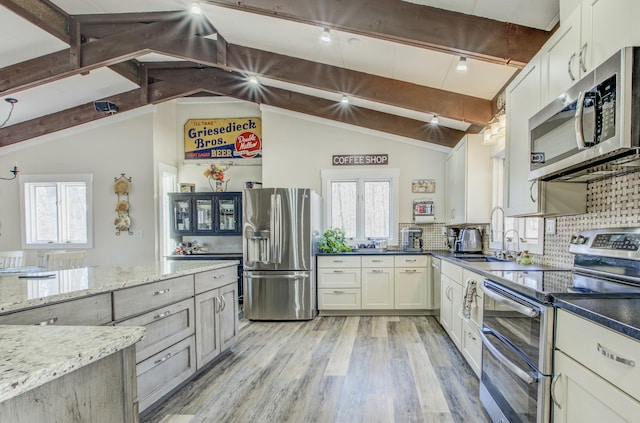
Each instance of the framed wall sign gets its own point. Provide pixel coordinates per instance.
(423, 185)
(238, 138)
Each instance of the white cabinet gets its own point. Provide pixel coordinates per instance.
(413, 286)
(468, 182)
(470, 343)
(589, 384)
(589, 35)
(339, 283)
(451, 296)
(523, 197)
(377, 283)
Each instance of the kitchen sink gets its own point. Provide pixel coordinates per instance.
(480, 258)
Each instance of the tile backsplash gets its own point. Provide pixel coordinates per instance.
(611, 203)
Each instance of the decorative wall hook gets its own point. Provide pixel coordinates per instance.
(15, 174)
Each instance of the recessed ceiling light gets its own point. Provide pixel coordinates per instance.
(326, 36)
(253, 80)
(462, 65)
(344, 99)
(196, 9)
(435, 120)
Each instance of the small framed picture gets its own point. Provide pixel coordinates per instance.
(423, 185)
(187, 187)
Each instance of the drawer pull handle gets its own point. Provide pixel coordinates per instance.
(163, 359)
(338, 261)
(554, 382)
(470, 335)
(338, 292)
(409, 260)
(377, 271)
(224, 303)
(377, 261)
(612, 356)
(217, 276)
(410, 271)
(47, 322)
(338, 271)
(162, 292)
(161, 315)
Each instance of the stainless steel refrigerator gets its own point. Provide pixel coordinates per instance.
(281, 228)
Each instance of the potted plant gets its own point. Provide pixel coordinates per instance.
(333, 241)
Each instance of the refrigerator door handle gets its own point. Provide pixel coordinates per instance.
(276, 227)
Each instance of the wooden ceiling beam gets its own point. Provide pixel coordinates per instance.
(409, 23)
(233, 84)
(362, 85)
(43, 14)
(92, 55)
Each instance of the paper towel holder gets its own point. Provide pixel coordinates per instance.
(423, 210)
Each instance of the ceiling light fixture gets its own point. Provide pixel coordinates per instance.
(13, 102)
(462, 64)
(253, 80)
(344, 99)
(196, 9)
(326, 36)
(435, 120)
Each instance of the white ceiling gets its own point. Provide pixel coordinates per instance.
(22, 41)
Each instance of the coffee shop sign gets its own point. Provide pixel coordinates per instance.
(360, 159)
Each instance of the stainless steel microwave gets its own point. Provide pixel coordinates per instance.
(592, 130)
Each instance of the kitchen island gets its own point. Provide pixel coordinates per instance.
(104, 312)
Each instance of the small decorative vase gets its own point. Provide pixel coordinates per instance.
(218, 186)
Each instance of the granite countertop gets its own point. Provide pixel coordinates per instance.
(35, 355)
(617, 312)
(33, 289)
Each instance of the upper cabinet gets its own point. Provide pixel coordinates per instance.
(523, 100)
(206, 213)
(589, 35)
(468, 182)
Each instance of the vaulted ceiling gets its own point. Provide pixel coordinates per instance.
(395, 60)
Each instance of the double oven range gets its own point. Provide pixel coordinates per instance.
(518, 326)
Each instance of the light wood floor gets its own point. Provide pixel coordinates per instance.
(333, 369)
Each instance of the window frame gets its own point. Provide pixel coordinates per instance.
(25, 180)
(361, 175)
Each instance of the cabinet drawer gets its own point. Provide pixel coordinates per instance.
(213, 279)
(588, 342)
(136, 300)
(452, 270)
(377, 261)
(339, 261)
(339, 299)
(411, 261)
(161, 373)
(165, 326)
(339, 278)
(89, 311)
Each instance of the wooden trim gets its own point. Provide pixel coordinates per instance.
(43, 14)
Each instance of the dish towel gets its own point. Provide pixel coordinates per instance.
(469, 295)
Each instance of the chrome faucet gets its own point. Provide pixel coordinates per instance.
(501, 253)
(504, 240)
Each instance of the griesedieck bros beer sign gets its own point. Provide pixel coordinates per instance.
(238, 138)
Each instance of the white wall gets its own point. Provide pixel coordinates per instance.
(297, 147)
(105, 148)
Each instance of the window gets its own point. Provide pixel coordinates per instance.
(520, 233)
(364, 203)
(56, 211)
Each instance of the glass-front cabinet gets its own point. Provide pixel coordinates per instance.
(206, 213)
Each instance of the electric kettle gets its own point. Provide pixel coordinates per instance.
(469, 241)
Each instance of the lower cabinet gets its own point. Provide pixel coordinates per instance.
(216, 322)
(374, 282)
(471, 346)
(450, 308)
(595, 375)
(161, 373)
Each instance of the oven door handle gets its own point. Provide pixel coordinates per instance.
(526, 377)
(520, 308)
